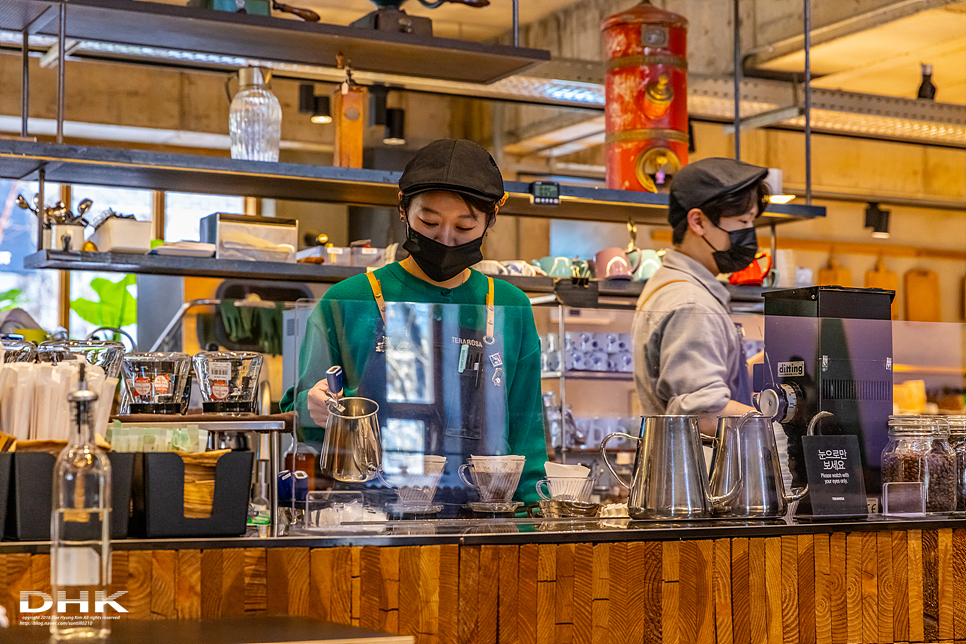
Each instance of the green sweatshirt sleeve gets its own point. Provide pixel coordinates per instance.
(315, 357)
(525, 411)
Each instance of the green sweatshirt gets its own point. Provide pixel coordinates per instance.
(350, 342)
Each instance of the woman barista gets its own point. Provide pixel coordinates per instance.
(454, 380)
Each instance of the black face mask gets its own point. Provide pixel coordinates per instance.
(740, 254)
(439, 261)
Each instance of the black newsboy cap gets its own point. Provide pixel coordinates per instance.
(454, 165)
(702, 181)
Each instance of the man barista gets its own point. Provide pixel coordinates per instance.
(688, 354)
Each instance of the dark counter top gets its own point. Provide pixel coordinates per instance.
(520, 531)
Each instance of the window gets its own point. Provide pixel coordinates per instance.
(183, 213)
(34, 291)
(106, 299)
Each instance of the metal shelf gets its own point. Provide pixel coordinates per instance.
(203, 34)
(219, 175)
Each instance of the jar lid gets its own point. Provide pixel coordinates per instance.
(957, 424)
(919, 426)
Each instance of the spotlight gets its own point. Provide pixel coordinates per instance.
(773, 180)
(395, 127)
(378, 97)
(317, 106)
(878, 220)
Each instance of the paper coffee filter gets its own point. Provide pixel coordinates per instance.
(555, 470)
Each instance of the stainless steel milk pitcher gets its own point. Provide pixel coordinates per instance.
(669, 480)
(352, 446)
(746, 444)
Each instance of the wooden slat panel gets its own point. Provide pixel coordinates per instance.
(959, 584)
(371, 588)
(40, 573)
(688, 591)
(722, 591)
(321, 564)
(838, 588)
(884, 572)
(138, 598)
(757, 600)
(806, 588)
(546, 607)
(547, 562)
(870, 588)
(164, 583)
(564, 633)
(564, 613)
(509, 570)
(740, 603)
(617, 594)
(930, 585)
(823, 589)
(583, 592)
(914, 579)
(18, 578)
(944, 578)
(789, 591)
(704, 592)
(636, 590)
(287, 581)
(356, 584)
(489, 587)
(188, 602)
(256, 580)
(653, 587)
(773, 589)
(469, 571)
(340, 605)
(671, 567)
(900, 586)
(527, 594)
(600, 611)
(449, 592)
(429, 573)
(853, 587)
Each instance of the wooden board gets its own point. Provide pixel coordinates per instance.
(823, 590)
(921, 288)
(807, 590)
(834, 275)
(881, 277)
(886, 589)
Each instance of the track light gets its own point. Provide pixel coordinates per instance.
(878, 220)
(317, 106)
(395, 127)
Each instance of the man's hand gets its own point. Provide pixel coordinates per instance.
(318, 403)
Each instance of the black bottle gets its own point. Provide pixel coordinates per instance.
(927, 89)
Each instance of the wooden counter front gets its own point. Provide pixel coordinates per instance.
(897, 585)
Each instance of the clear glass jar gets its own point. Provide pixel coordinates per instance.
(255, 117)
(919, 451)
(957, 440)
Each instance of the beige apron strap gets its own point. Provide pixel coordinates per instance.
(488, 338)
(640, 305)
(377, 293)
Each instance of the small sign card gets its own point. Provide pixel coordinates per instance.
(833, 465)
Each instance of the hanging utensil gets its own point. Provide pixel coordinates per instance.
(305, 14)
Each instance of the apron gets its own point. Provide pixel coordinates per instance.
(439, 376)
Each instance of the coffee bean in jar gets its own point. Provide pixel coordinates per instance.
(918, 451)
(957, 440)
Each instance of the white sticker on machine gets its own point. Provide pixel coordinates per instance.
(791, 369)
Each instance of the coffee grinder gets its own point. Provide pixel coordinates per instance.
(829, 348)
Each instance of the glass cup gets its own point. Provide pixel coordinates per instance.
(494, 477)
(566, 488)
(417, 486)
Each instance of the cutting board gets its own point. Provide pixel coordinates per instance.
(922, 295)
(834, 275)
(880, 277)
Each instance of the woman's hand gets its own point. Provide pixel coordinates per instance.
(318, 403)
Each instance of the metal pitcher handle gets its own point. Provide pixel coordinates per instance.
(721, 503)
(603, 454)
(801, 494)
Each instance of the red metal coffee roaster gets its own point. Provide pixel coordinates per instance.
(646, 106)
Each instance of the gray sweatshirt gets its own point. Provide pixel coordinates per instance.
(688, 356)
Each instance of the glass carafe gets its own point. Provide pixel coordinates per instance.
(255, 117)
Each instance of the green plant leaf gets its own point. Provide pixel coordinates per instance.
(115, 306)
(11, 299)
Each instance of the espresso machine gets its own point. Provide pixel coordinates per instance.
(829, 348)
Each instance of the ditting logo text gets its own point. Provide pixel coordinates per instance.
(791, 369)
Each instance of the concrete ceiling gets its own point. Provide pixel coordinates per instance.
(885, 59)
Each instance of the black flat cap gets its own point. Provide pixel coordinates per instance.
(702, 181)
(455, 165)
